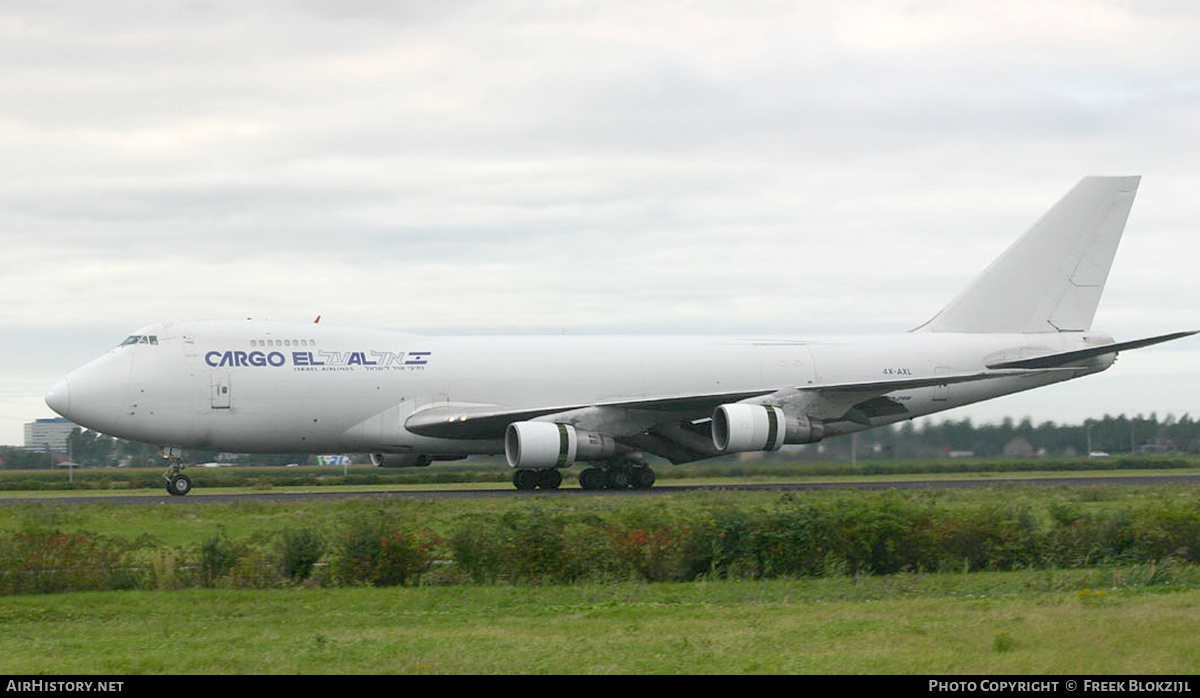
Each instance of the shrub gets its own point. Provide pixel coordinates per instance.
(520, 546)
(648, 554)
(1169, 530)
(720, 547)
(379, 552)
(44, 561)
(532, 543)
(989, 538)
(217, 558)
(300, 551)
(794, 540)
(475, 550)
(257, 568)
(883, 537)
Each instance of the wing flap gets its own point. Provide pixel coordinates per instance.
(1063, 359)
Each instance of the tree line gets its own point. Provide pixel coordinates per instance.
(95, 450)
(929, 439)
(1121, 434)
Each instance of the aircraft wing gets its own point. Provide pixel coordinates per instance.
(469, 421)
(490, 421)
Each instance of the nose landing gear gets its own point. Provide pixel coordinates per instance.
(178, 484)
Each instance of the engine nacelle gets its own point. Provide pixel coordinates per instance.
(744, 427)
(541, 445)
(400, 460)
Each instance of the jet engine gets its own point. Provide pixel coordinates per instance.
(541, 445)
(400, 460)
(744, 427)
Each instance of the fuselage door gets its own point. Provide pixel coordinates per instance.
(221, 399)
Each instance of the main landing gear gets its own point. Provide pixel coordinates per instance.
(629, 475)
(547, 479)
(616, 475)
(178, 484)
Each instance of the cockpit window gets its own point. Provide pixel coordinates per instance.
(140, 339)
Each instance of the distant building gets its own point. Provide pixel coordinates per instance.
(51, 434)
(1019, 447)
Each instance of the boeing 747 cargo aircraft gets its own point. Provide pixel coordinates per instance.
(550, 402)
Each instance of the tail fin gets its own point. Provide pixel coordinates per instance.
(1051, 278)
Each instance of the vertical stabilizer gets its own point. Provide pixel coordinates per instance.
(1051, 278)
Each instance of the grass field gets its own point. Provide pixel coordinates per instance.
(1129, 618)
(989, 623)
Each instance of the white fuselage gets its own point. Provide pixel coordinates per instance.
(258, 386)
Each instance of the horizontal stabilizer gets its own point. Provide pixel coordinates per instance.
(1069, 357)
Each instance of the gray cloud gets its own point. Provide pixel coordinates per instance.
(599, 167)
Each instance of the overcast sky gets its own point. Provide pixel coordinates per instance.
(618, 167)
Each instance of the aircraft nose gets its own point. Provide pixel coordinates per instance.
(59, 397)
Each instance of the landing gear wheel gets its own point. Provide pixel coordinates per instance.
(618, 475)
(592, 479)
(549, 479)
(618, 479)
(643, 479)
(179, 484)
(525, 480)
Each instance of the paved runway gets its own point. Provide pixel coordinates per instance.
(215, 496)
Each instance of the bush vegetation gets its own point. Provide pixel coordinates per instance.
(677, 538)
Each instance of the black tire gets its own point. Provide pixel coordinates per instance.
(618, 479)
(179, 485)
(549, 479)
(525, 480)
(592, 479)
(643, 479)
